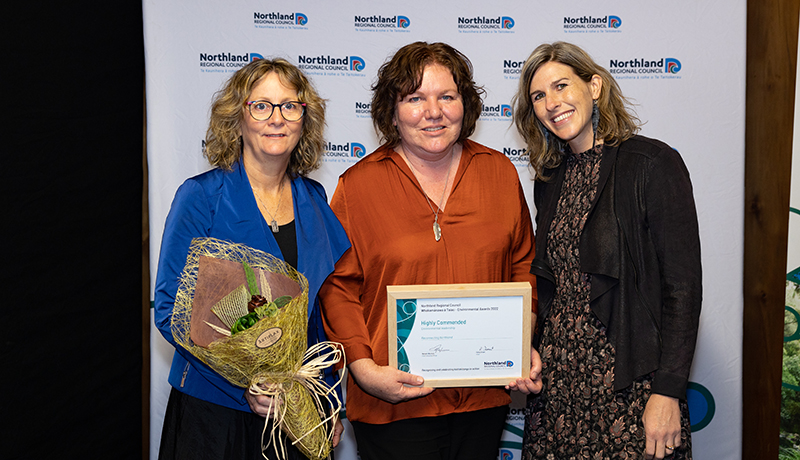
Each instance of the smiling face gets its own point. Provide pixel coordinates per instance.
(429, 119)
(563, 103)
(274, 136)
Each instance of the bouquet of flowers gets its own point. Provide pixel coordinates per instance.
(243, 312)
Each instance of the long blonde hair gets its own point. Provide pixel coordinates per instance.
(617, 123)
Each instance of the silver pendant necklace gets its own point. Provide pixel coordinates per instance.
(437, 230)
(274, 223)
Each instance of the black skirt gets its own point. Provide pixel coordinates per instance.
(199, 430)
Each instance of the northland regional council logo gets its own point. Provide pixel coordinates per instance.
(643, 69)
(497, 364)
(226, 62)
(482, 24)
(280, 20)
(346, 151)
(517, 156)
(512, 69)
(332, 66)
(500, 112)
(379, 23)
(592, 24)
(363, 109)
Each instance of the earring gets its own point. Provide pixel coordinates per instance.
(546, 133)
(595, 121)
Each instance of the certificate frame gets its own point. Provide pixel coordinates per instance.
(511, 296)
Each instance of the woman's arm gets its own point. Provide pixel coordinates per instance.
(523, 252)
(189, 217)
(672, 220)
(344, 320)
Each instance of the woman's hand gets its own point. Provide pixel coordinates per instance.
(338, 431)
(662, 426)
(260, 404)
(532, 384)
(387, 383)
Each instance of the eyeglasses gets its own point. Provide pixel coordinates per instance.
(290, 111)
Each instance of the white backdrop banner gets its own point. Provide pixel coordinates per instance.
(681, 62)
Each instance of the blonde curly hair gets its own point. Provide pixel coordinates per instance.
(228, 109)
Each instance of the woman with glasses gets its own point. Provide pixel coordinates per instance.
(264, 136)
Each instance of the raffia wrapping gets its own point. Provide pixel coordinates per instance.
(213, 270)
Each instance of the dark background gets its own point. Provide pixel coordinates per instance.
(72, 175)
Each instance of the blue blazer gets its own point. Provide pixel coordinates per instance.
(221, 204)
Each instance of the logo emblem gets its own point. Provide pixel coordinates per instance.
(672, 65)
(358, 150)
(356, 64)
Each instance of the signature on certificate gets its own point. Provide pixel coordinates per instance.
(483, 350)
(438, 349)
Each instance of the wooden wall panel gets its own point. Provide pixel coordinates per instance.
(771, 66)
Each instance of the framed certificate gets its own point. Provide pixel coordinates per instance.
(461, 335)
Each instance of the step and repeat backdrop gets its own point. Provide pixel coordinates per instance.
(681, 62)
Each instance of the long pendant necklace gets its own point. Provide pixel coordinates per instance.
(437, 230)
(274, 223)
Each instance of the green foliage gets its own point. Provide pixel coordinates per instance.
(789, 323)
(790, 397)
(788, 453)
(251, 279)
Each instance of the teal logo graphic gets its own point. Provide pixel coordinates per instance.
(701, 406)
(406, 313)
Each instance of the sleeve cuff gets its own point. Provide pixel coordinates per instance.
(668, 384)
(357, 351)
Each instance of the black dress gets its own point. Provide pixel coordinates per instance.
(578, 415)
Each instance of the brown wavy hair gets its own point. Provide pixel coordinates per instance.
(402, 75)
(228, 109)
(618, 121)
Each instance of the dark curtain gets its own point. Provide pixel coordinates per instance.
(71, 339)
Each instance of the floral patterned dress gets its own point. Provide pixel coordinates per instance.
(578, 415)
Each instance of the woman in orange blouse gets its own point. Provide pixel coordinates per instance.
(427, 207)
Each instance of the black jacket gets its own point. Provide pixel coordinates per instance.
(641, 245)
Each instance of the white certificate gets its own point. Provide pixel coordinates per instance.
(459, 335)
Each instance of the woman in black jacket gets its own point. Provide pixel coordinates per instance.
(617, 265)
